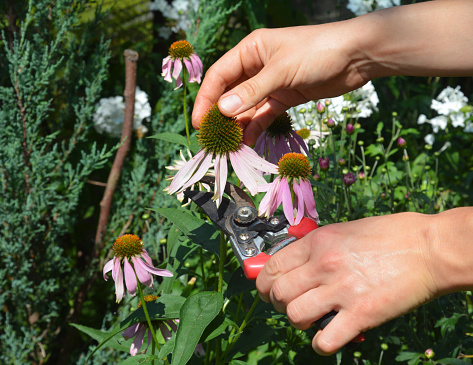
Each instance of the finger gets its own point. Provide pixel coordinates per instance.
(307, 308)
(289, 258)
(341, 330)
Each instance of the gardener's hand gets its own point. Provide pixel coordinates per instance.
(369, 271)
(273, 69)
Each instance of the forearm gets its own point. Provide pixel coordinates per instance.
(452, 250)
(425, 39)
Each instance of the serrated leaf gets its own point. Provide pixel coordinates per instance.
(196, 314)
(198, 231)
(447, 324)
(172, 138)
(408, 355)
(99, 336)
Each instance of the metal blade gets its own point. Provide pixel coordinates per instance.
(238, 195)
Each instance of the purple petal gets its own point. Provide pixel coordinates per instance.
(108, 267)
(145, 256)
(178, 83)
(201, 171)
(278, 192)
(130, 278)
(248, 176)
(260, 145)
(167, 68)
(300, 201)
(143, 275)
(252, 158)
(309, 200)
(199, 350)
(119, 287)
(287, 201)
(131, 331)
(265, 204)
(152, 269)
(165, 331)
(190, 70)
(177, 68)
(293, 144)
(301, 142)
(198, 67)
(138, 341)
(115, 268)
(186, 172)
(220, 177)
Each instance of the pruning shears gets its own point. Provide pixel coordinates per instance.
(249, 234)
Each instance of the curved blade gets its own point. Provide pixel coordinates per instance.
(237, 194)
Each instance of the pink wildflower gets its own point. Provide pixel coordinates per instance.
(294, 169)
(182, 51)
(129, 249)
(280, 138)
(221, 138)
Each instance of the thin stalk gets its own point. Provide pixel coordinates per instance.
(221, 264)
(184, 87)
(145, 310)
(202, 267)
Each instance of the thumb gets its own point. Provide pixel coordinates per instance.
(250, 92)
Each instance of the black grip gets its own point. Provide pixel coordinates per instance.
(323, 321)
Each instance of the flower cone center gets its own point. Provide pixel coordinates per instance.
(281, 126)
(128, 246)
(218, 133)
(304, 133)
(294, 165)
(180, 49)
(148, 298)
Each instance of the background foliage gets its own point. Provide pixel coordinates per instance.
(57, 59)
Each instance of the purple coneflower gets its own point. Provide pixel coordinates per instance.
(349, 179)
(182, 51)
(129, 249)
(221, 138)
(324, 163)
(291, 186)
(280, 138)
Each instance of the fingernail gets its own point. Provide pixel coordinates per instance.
(230, 104)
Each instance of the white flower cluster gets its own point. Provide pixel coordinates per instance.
(177, 11)
(452, 106)
(110, 114)
(360, 7)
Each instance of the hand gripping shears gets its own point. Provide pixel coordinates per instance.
(249, 234)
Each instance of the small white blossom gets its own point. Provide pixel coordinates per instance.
(177, 12)
(110, 114)
(360, 7)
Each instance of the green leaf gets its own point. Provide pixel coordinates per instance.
(198, 231)
(196, 314)
(447, 324)
(239, 283)
(141, 359)
(216, 327)
(172, 138)
(251, 338)
(408, 355)
(98, 335)
(453, 361)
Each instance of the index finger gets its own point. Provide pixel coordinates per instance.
(288, 259)
(235, 66)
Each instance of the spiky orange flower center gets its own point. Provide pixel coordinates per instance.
(181, 49)
(128, 245)
(148, 298)
(281, 126)
(218, 133)
(294, 165)
(304, 133)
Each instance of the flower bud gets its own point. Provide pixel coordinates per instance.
(384, 346)
(345, 171)
(401, 142)
(320, 107)
(324, 163)
(302, 110)
(345, 109)
(394, 114)
(429, 353)
(405, 157)
(361, 175)
(342, 162)
(145, 216)
(361, 143)
(436, 154)
(357, 354)
(163, 241)
(330, 123)
(436, 207)
(350, 129)
(349, 179)
(328, 102)
(380, 139)
(383, 195)
(311, 142)
(309, 123)
(317, 177)
(428, 147)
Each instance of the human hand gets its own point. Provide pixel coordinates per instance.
(369, 271)
(273, 69)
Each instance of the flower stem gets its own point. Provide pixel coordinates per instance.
(184, 87)
(223, 256)
(145, 310)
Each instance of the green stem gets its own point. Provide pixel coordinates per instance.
(145, 310)
(223, 256)
(202, 268)
(184, 87)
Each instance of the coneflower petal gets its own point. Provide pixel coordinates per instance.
(119, 287)
(300, 201)
(138, 341)
(309, 200)
(287, 201)
(131, 331)
(152, 269)
(198, 67)
(252, 158)
(248, 175)
(190, 70)
(301, 142)
(143, 275)
(107, 268)
(220, 177)
(201, 171)
(265, 204)
(130, 278)
(167, 68)
(186, 172)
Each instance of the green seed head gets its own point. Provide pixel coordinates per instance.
(294, 165)
(218, 133)
(128, 246)
(281, 126)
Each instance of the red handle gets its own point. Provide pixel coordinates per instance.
(253, 265)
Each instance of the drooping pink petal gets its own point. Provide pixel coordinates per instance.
(115, 268)
(190, 69)
(167, 68)
(272, 155)
(301, 142)
(252, 158)
(295, 147)
(278, 197)
(165, 330)
(198, 67)
(119, 287)
(201, 171)
(131, 331)
(143, 275)
(177, 68)
(107, 267)
(309, 200)
(260, 145)
(287, 201)
(248, 176)
(145, 256)
(186, 172)
(130, 278)
(152, 269)
(220, 177)
(138, 341)
(178, 83)
(281, 146)
(300, 201)
(265, 204)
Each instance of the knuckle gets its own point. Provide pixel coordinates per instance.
(295, 316)
(250, 88)
(272, 267)
(277, 292)
(331, 261)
